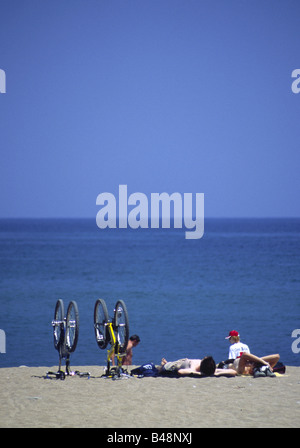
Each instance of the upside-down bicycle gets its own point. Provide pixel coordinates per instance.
(114, 332)
(65, 332)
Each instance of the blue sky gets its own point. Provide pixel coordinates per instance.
(160, 95)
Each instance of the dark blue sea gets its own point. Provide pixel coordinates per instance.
(183, 296)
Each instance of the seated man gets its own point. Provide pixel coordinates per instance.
(133, 342)
(127, 358)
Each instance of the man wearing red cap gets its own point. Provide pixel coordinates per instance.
(237, 347)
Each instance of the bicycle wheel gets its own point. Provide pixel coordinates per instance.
(121, 326)
(100, 321)
(58, 324)
(72, 327)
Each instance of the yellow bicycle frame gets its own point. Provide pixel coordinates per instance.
(114, 350)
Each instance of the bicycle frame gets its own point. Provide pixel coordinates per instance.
(65, 343)
(63, 354)
(113, 351)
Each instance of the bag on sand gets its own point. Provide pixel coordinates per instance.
(145, 370)
(279, 368)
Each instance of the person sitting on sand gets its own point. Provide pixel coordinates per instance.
(133, 342)
(248, 364)
(237, 347)
(197, 367)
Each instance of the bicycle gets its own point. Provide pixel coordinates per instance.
(114, 332)
(65, 333)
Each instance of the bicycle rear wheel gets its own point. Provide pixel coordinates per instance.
(58, 324)
(72, 327)
(121, 326)
(100, 323)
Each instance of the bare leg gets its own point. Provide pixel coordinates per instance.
(271, 359)
(247, 358)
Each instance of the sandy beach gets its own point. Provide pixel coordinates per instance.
(29, 400)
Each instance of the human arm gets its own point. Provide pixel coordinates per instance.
(188, 372)
(247, 358)
(218, 372)
(225, 372)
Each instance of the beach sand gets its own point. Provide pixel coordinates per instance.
(28, 399)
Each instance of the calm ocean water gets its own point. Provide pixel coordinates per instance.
(183, 296)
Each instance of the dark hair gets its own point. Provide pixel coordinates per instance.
(135, 337)
(208, 365)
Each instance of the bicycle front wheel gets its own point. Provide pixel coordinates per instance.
(121, 326)
(58, 324)
(100, 323)
(72, 327)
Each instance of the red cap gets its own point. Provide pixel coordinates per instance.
(232, 333)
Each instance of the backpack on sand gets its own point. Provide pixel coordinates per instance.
(145, 370)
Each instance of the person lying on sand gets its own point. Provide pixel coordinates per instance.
(249, 364)
(197, 367)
